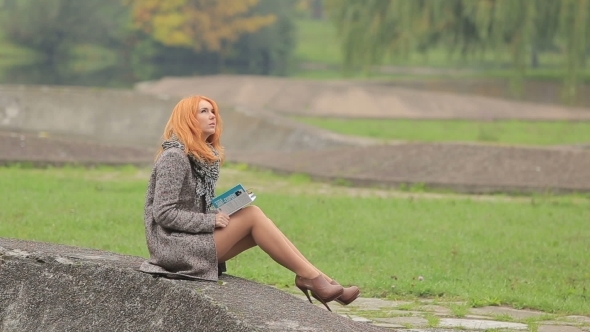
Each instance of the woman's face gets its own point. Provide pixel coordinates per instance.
(206, 118)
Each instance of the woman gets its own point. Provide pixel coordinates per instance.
(186, 237)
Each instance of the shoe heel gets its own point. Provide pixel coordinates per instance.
(320, 289)
(305, 291)
(322, 301)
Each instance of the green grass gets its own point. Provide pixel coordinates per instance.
(89, 58)
(12, 54)
(316, 42)
(505, 132)
(459, 311)
(514, 251)
(65, 207)
(84, 57)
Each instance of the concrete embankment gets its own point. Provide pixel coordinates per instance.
(355, 99)
(124, 117)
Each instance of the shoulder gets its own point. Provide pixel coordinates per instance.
(173, 158)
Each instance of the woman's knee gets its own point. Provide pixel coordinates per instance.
(250, 213)
(255, 215)
(254, 211)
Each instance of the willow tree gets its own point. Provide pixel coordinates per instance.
(575, 32)
(506, 25)
(371, 30)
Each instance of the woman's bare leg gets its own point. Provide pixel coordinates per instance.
(248, 242)
(252, 221)
(303, 257)
(242, 245)
(348, 296)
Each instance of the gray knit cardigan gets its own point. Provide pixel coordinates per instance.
(179, 230)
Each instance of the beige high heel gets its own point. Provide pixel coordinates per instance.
(349, 295)
(320, 289)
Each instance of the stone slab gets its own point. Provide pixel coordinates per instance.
(558, 328)
(480, 324)
(404, 321)
(579, 319)
(514, 313)
(436, 309)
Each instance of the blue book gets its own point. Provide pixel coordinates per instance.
(233, 199)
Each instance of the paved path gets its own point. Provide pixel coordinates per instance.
(453, 316)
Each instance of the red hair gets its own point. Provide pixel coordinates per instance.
(184, 124)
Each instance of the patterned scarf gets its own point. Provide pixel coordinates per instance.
(208, 173)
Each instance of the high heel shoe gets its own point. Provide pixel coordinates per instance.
(320, 289)
(350, 294)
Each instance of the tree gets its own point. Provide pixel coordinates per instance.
(269, 50)
(575, 30)
(373, 29)
(310, 8)
(210, 25)
(53, 26)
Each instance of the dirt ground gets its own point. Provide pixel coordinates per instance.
(471, 168)
(356, 99)
(39, 149)
(459, 167)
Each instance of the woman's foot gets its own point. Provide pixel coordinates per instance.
(320, 289)
(348, 295)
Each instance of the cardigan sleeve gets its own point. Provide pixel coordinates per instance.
(170, 176)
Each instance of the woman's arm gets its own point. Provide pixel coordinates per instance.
(170, 173)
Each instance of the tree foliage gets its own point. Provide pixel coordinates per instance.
(310, 8)
(268, 51)
(198, 24)
(253, 36)
(371, 30)
(51, 26)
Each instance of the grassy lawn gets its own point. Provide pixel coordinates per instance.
(506, 132)
(316, 42)
(524, 252)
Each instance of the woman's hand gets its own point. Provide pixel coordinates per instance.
(221, 220)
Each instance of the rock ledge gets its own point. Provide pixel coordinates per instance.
(53, 287)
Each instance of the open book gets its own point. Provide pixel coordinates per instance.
(233, 200)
